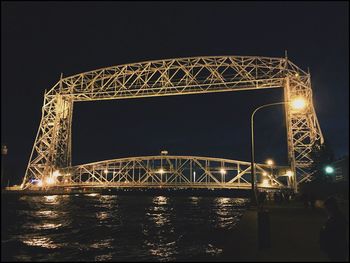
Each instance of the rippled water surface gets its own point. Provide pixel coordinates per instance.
(94, 227)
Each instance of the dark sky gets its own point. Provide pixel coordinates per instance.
(39, 40)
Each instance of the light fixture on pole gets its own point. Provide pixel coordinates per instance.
(296, 104)
(270, 163)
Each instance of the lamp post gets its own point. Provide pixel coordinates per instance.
(296, 104)
(270, 163)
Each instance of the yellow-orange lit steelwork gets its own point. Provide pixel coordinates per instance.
(181, 76)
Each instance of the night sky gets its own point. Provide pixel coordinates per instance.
(39, 40)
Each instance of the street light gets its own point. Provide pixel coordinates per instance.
(270, 162)
(223, 172)
(298, 104)
(289, 173)
(329, 169)
(50, 180)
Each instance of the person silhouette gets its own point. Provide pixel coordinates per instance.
(333, 240)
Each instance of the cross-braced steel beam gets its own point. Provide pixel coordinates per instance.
(169, 171)
(194, 75)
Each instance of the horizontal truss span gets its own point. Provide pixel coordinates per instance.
(176, 77)
(170, 171)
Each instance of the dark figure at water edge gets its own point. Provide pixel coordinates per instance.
(262, 198)
(286, 196)
(333, 234)
(280, 197)
(292, 195)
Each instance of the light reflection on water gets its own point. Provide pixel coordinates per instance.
(160, 200)
(106, 243)
(160, 245)
(41, 226)
(102, 215)
(51, 199)
(195, 199)
(117, 228)
(39, 241)
(93, 194)
(226, 217)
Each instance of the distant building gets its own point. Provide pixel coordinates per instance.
(341, 169)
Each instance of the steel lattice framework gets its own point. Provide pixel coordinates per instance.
(170, 171)
(52, 147)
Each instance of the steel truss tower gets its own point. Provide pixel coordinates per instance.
(52, 147)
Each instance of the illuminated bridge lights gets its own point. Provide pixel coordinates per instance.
(181, 76)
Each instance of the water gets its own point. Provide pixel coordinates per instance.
(94, 227)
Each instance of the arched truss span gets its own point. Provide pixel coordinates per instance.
(173, 171)
(194, 75)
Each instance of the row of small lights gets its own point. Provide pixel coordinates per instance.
(162, 171)
(223, 171)
(53, 178)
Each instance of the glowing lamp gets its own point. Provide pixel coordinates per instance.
(56, 173)
(289, 173)
(49, 180)
(298, 103)
(222, 171)
(329, 169)
(265, 182)
(269, 162)
(40, 183)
